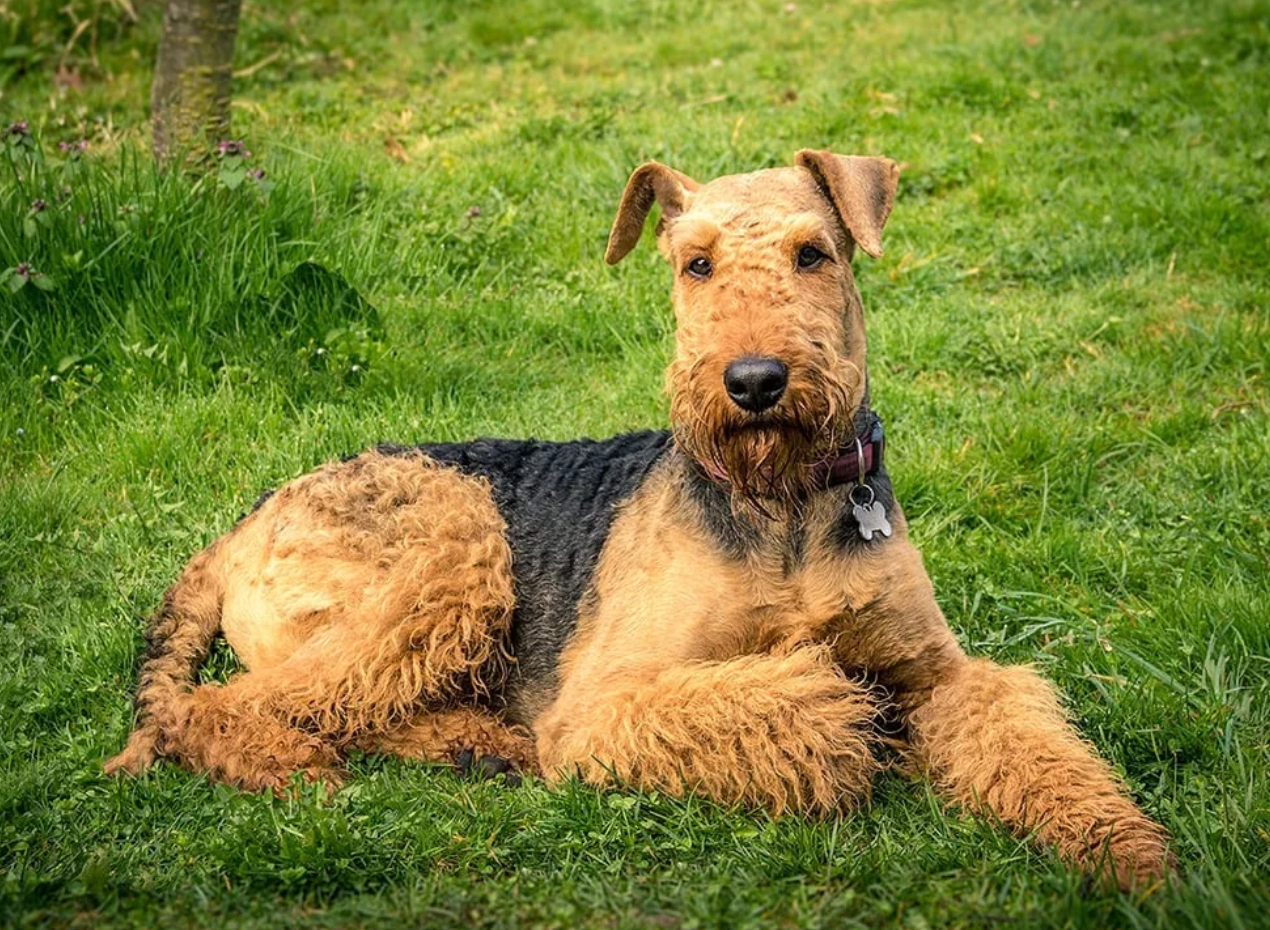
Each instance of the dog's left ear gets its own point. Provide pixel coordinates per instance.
(650, 183)
(862, 190)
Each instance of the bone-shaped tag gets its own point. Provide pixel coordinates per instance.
(872, 519)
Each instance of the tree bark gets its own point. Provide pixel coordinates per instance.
(189, 102)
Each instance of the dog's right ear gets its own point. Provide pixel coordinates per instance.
(650, 183)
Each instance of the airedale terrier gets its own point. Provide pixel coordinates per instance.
(727, 608)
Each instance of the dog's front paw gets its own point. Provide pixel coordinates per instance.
(1139, 858)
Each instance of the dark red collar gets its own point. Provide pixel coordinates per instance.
(854, 462)
(847, 466)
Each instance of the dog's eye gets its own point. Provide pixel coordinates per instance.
(700, 268)
(810, 257)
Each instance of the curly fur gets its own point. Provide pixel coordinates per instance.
(686, 615)
(770, 311)
(354, 594)
(779, 732)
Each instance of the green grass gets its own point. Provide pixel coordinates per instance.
(1069, 341)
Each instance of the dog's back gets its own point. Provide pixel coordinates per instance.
(558, 499)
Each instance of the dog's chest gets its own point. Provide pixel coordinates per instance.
(816, 599)
(679, 598)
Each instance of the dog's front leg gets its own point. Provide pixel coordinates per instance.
(995, 739)
(784, 732)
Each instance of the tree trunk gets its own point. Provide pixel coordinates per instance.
(190, 100)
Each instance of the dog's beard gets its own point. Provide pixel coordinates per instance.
(766, 459)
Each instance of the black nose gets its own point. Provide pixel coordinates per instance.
(755, 383)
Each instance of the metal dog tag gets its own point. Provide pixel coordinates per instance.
(870, 516)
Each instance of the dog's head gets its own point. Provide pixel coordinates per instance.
(769, 361)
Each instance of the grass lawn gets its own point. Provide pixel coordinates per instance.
(1069, 338)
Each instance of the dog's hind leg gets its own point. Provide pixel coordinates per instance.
(227, 731)
(447, 735)
(784, 732)
(355, 595)
(233, 732)
(263, 726)
(177, 643)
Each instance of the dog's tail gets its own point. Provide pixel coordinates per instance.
(177, 642)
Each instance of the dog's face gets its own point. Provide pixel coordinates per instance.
(769, 361)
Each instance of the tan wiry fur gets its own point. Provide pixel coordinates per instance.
(357, 596)
(372, 600)
(444, 734)
(690, 647)
(759, 304)
(781, 731)
(996, 740)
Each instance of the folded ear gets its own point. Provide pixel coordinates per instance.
(862, 190)
(650, 183)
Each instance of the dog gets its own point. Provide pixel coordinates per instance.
(731, 607)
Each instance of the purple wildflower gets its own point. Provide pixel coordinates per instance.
(20, 128)
(233, 147)
(23, 270)
(256, 174)
(38, 205)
